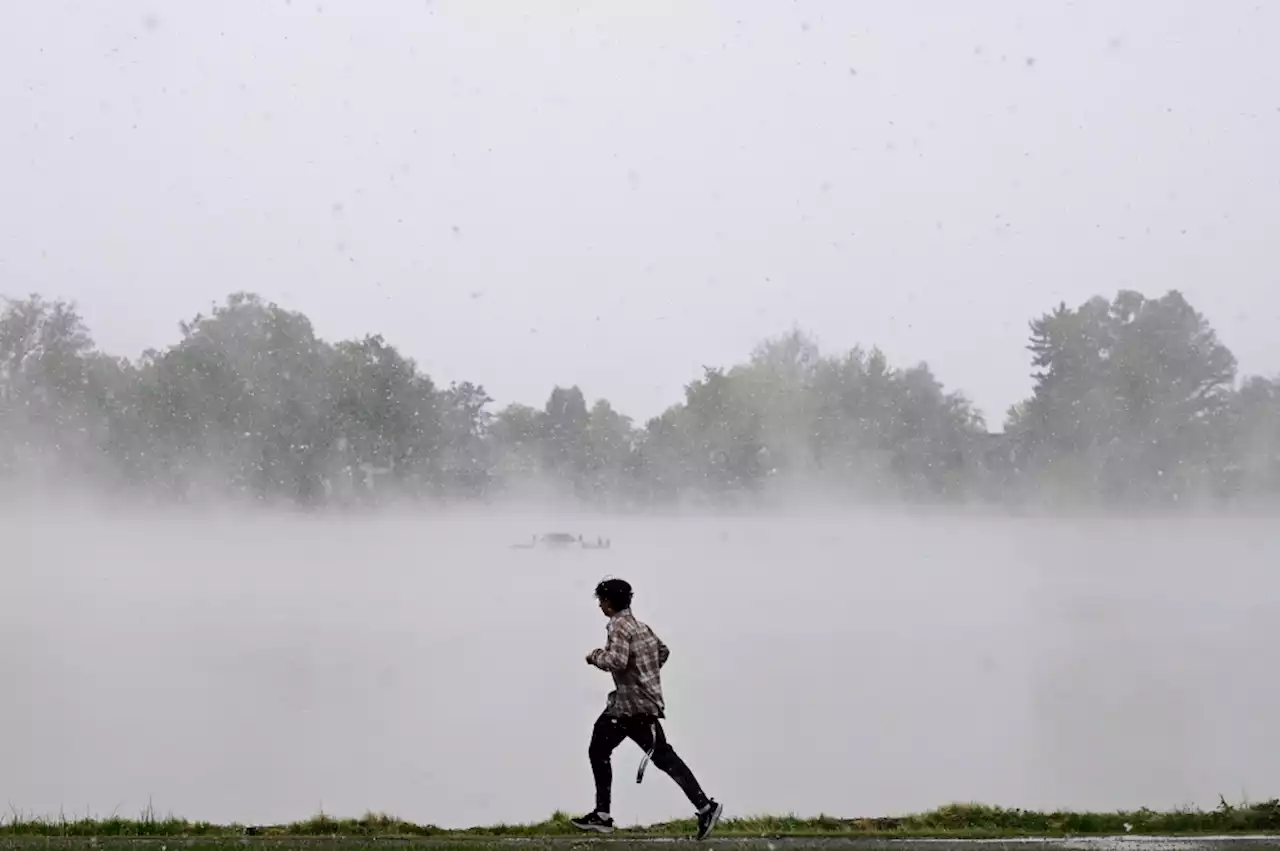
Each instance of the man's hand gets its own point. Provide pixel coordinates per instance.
(591, 657)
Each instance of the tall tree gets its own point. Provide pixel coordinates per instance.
(53, 386)
(240, 401)
(1126, 393)
(516, 442)
(465, 453)
(1254, 445)
(565, 439)
(386, 414)
(610, 447)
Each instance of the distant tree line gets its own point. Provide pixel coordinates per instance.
(1135, 401)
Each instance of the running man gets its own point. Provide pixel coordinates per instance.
(635, 656)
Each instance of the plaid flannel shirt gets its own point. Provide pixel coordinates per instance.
(635, 656)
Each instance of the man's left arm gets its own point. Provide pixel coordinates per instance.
(614, 656)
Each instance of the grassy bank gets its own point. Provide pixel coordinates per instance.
(956, 820)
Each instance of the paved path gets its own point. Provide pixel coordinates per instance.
(567, 843)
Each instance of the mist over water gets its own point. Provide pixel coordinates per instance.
(258, 667)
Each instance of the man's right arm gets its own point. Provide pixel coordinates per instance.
(614, 656)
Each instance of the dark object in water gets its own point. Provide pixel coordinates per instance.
(560, 540)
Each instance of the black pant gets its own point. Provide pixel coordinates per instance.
(641, 729)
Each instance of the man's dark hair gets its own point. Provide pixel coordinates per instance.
(615, 592)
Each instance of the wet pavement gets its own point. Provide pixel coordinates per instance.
(565, 843)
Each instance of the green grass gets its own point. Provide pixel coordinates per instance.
(954, 820)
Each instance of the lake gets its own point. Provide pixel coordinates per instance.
(259, 668)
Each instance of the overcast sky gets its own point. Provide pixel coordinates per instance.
(615, 193)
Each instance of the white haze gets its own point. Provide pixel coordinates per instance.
(259, 667)
(613, 194)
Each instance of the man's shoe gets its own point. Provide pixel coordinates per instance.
(708, 818)
(594, 822)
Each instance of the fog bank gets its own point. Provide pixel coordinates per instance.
(259, 667)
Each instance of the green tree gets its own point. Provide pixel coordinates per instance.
(386, 416)
(565, 439)
(240, 402)
(516, 442)
(1134, 399)
(1254, 448)
(465, 421)
(610, 468)
(54, 387)
(777, 391)
(43, 351)
(883, 430)
(1126, 397)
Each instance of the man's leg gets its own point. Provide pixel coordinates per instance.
(643, 731)
(605, 738)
